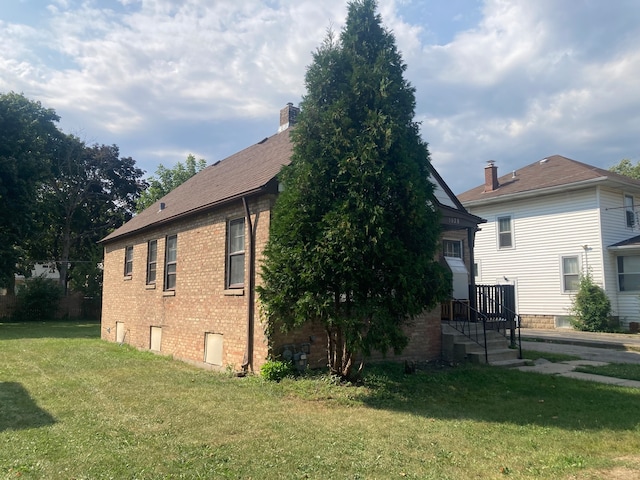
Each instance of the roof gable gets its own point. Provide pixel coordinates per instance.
(549, 173)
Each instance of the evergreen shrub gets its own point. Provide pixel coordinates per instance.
(591, 308)
(37, 300)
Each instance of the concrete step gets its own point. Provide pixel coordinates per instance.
(494, 355)
(513, 363)
(456, 346)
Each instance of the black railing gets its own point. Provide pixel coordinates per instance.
(468, 321)
(495, 311)
(497, 303)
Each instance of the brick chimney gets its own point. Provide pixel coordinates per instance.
(288, 116)
(490, 177)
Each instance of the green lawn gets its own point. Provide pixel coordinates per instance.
(630, 371)
(75, 407)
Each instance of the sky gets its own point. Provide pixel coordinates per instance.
(512, 81)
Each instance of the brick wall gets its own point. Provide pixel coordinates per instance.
(537, 321)
(425, 341)
(200, 303)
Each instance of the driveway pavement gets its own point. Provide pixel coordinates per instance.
(592, 349)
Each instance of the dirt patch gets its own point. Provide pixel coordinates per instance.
(629, 470)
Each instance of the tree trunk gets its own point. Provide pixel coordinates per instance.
(63, 264)
(339, 355)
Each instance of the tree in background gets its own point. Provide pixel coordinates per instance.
(90, 192)
(167, 179)
(29, 140)
(58, 196)
(355, 231)
(626, 167)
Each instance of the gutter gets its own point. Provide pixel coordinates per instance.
(623, 248)
(185, 214)
(532, 193)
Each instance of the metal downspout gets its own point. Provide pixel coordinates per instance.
(247, 363)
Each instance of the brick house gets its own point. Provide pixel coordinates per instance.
(179, 278)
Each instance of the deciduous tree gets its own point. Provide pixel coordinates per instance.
(91, 191)
(355, 231)
(166, 179)
(626, 167)
(29, 139)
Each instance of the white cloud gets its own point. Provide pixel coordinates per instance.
(522, 80)
(532, 79)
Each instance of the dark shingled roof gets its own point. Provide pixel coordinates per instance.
(247, 172)
(630, 242)
(553, 172)
(243, 173)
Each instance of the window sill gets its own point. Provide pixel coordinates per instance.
(150, 286)
(127, 277)
(169, 293)
(234, 292)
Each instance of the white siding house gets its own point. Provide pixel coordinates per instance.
(550, 222)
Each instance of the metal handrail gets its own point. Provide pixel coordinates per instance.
(517, 321)
(463, 325)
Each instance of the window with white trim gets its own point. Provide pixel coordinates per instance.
(235, 253)
(170, 262)
(630, 215)
(629, 273)
(128, 261)
(505, 232)
(452, 248)
(570, 274)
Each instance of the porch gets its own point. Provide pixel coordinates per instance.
(484, 330)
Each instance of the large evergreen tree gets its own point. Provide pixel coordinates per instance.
(354, 233)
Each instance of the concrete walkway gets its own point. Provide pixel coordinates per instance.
(592, 348)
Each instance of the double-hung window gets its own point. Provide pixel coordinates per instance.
(170, 259)
(630, 215)
(452, 248)
(629, 273)
(570, 274)
(152, 260)
(505, 232)
(235, 253)
(128, 261)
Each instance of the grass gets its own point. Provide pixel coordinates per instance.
(73, 406)
(552, 357)
(628, 371)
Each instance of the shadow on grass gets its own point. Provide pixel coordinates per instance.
(492, 394)
(18, 410)
(51, 329)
